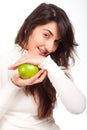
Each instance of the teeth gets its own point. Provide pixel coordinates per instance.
(42, 51)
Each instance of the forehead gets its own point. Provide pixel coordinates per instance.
(52, 26)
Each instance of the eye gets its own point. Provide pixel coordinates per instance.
(46, 35)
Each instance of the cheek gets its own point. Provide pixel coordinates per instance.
(36, 39)
(39, 41)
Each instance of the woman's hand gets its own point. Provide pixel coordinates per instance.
(28, 58)
(39, 77)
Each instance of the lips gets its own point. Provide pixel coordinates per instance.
(42, 52)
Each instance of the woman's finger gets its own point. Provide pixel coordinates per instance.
(30, 81)
(41, 78)
(28, 58)
(23, 59)
(16, 64)
(37, 78)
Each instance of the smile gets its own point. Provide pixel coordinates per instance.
(42, 52)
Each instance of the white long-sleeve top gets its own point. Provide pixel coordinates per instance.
(19, 111)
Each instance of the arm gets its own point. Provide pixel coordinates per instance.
(70, 95)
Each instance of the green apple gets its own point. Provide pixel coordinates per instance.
(27, 70)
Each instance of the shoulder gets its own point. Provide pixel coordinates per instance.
(10, 56)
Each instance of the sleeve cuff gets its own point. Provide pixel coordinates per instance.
(54, 71)
(45, 62)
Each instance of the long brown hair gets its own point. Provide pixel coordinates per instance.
(44, 14)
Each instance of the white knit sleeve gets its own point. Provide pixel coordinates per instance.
(70, 95)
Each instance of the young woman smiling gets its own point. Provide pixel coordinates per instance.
(45, 39)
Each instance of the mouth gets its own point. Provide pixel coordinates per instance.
(42, 52)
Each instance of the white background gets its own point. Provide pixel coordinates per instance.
(12, 15)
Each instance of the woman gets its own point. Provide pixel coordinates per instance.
(45, 39)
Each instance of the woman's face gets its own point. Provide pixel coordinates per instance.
(44, 39)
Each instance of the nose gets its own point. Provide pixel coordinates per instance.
(50, 46)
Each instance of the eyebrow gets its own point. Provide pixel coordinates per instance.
(49, 31)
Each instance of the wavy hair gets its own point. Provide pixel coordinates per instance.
(42, 15)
